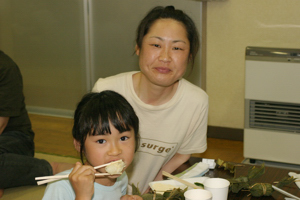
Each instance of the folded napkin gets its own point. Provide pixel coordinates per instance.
(198, 169)
(297, 177)
(211, 163)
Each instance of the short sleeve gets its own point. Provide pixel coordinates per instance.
(11, 88)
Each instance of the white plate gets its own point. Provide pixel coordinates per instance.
(161, 186)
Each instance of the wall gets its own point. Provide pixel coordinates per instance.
(46, 39)
(63, 46)
(232, 25)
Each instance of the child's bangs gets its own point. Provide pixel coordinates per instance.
(101, 124)
(121, 121)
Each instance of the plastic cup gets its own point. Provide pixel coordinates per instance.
(198, 194)
(218, 187)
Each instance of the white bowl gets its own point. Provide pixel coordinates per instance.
(162, 186)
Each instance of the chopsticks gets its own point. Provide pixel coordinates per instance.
(56, 178)
(285, 193)
(48, 179)
(181, 180)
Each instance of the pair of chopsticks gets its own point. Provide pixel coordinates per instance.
(48, 179)
(181, 180)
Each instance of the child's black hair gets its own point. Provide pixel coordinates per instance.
(96, 110)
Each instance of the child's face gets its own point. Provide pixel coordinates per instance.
(101, 149)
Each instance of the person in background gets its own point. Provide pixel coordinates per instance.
(172, 111)
(106, 129)
(18, 167)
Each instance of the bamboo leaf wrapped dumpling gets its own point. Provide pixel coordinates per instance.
(115, 167)
(261, 189)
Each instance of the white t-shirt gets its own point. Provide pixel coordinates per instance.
(63, 190)
(178, 126)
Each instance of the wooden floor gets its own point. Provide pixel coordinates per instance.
(53, 135)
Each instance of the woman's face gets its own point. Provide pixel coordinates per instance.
(102, 149)
(164, 55)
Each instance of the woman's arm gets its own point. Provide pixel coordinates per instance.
(177, 160)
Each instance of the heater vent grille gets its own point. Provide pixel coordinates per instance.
(274, 115)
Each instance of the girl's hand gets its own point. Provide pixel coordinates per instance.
(82, 179)
(131, 197)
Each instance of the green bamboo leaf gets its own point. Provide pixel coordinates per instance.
(236, 187)
(231, 167)
(175, 194)
(199, 184)
(135, 190)
(241, 179)
(285, 181)
(150, 196)
(226, 165)
(255, 172)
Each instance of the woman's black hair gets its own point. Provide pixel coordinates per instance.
(96, 110)
(167, 12)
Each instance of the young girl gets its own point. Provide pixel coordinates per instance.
(105, 130)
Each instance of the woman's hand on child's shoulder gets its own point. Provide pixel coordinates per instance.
(82, 179)
(131, 197)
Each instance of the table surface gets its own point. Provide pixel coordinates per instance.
(271, 175)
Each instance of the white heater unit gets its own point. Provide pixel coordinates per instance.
(272, 105)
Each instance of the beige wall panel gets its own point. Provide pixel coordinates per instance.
(232, 25)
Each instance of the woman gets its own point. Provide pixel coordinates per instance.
(172, 111)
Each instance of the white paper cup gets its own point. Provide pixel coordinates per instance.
(218, 187)
(198, 194)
